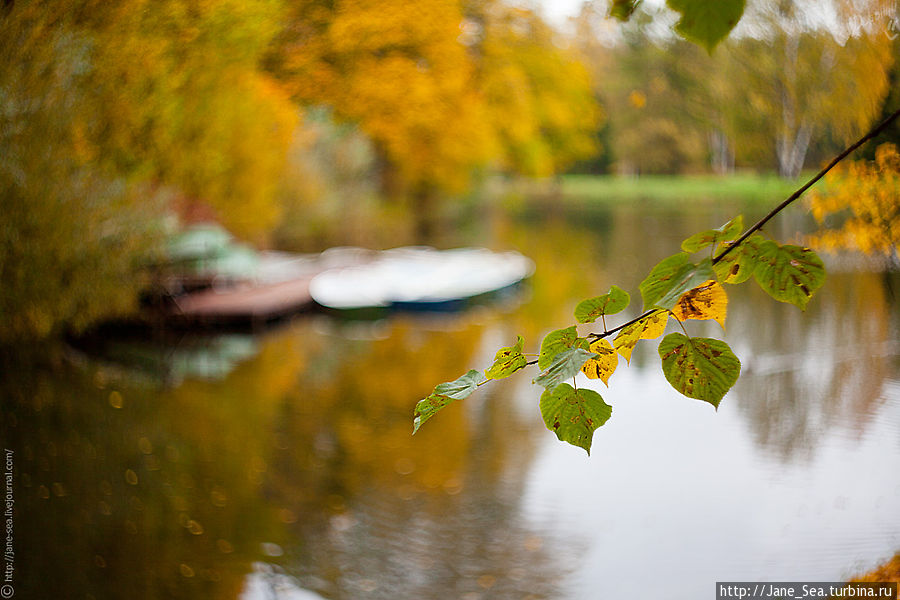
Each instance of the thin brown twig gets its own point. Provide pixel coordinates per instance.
(609, 332)
(849, 150)
(759, 224)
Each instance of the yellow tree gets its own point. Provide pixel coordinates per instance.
(442, 87)
(537, 90)
(196, 113)
(398, 70)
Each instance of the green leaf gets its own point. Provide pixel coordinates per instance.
(697, 276)
(507, 361)
(706, 22)
(727, 232)
(611, 303)
(789, 273)
(444, 394)
(738, 265)
(701, 368)
(557, 341)
(663, 276)
(565, 366)
(673, 277)
(573, 415)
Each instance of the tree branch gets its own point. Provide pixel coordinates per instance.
(759, 224)
(624, 325)
(850, 149)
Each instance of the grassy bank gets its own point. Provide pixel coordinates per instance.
(742, 186)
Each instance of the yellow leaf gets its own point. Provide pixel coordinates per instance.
(601, 368)
(645, 329)
(707, 301)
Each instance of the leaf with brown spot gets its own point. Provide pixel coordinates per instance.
(672, 277)
(610, 303)
(565, 366)
(738, 265)
(789, 273)
(663, 276)
(573, 415)
(701, 368)
(708, 301)
(604, 365)
(507, 361)
(727, 232)
(648, 328)
(558, 341)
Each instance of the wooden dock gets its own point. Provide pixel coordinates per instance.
(280, 289)
(246, 304)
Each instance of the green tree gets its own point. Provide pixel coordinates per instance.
(654, 93)
(760, 99)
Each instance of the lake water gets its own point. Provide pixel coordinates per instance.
(281, 465)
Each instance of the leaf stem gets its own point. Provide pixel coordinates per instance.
(849, 150)
(680, 324)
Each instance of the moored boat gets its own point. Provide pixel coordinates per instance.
(420, 278)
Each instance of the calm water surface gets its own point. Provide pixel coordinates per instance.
(282, 466)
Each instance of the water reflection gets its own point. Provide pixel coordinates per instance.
(123, 493)
(410, 515)
(808, 373)
(283, 465)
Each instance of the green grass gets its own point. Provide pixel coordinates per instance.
(742, 187)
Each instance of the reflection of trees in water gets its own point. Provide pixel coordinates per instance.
(306, 448)
(430, 547)
(123, 492)
(435, 515)
(131, 489)
(806, 373)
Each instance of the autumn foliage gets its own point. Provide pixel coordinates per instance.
(441, 87)
(860, 207)
(118, 120)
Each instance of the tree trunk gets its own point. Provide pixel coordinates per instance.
(721, 153)
(790, 146)
(796, 131)
(424, 206)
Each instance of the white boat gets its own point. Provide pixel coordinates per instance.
(420, 278)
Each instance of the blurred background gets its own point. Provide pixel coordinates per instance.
(279, 462)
